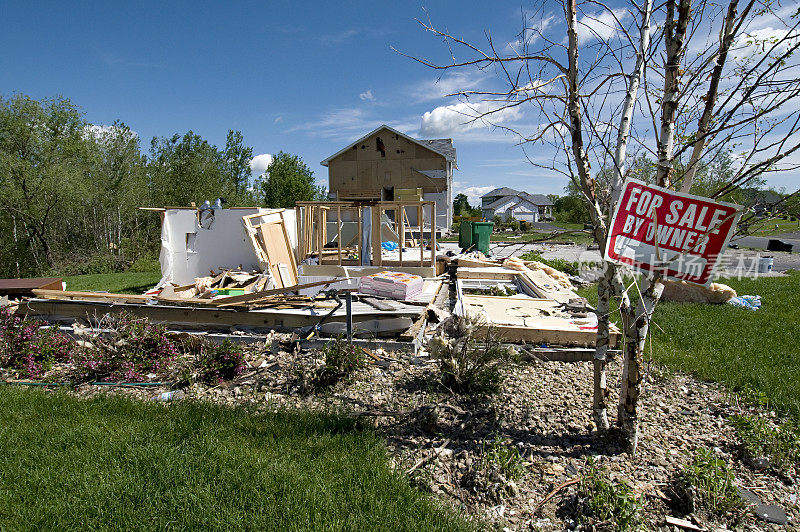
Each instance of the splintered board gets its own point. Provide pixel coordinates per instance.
(279, 253)
(538, 321)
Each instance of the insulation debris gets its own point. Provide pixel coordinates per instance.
(683, 292)
(394, 285)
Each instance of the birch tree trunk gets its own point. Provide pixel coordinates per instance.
(603, 311)
(637, 325)
(674, 38)
(611, 275)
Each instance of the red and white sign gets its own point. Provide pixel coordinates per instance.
(680, 235)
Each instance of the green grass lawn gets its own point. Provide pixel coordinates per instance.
(745, 350)
(767, 227)
(113, 463)
(120, 283)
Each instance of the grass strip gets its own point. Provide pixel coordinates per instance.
(114, 463)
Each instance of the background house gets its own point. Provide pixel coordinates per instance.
(509, 203)
(372, 167)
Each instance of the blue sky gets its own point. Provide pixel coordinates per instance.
(306, 78)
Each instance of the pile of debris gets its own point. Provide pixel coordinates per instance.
(526, 302)
(254, 270)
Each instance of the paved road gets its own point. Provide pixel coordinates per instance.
(760, 242)
(745, 258)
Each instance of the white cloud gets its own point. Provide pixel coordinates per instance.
(759, 42)
(602, 25)
(277, 119)
(472, 193)
(461, 118)
(350, 123)
(101, 132)
(452, 83)
(367, 96)
(260, 163)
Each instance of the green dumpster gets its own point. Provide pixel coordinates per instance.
(465, 234)
(481, 232)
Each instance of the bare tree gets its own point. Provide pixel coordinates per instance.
(640, 79)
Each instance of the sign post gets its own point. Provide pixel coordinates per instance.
(681, 236)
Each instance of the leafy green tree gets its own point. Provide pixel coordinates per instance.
(237, 161)
(570, 209)
(460, 204)
(288, 180)
(186, 169)
(41, 162)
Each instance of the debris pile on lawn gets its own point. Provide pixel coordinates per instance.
(257, 270)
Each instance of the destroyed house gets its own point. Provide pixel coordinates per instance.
(387, 165)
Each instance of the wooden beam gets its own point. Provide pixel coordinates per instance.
(420, 218)
(402, 232)
(255, 296)
(339, 232)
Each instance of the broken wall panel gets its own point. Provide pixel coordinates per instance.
(189, 249)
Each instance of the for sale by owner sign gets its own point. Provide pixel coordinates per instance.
(682, 236)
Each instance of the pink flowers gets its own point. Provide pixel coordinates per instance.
(30, 346)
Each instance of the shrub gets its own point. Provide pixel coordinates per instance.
(499, 454)
(470, 361)
(30, 347)
(342, 360)
(601, 500)
(221, 362)
(136, 349)
(706, 485)
(779, 445)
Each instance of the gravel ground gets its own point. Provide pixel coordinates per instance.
(543, 410)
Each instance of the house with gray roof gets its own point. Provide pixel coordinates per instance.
(508, 203)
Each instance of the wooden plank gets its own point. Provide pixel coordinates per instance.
(420, 218)
(499, 273)
(23, 287)
(73, 294)
(339, 233)
(402, 232)
(255, 296)
(106, 297)
(320, 225)
(292, 261)
(475, 263)
(412, 332)
(359, 238)
(378, 303)
(433, 233)
(537, 335)
(299, 256)
(203, 318)
(278, 250)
